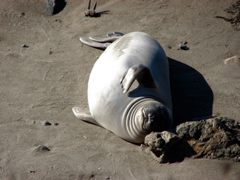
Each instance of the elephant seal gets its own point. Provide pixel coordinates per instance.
(128, 108)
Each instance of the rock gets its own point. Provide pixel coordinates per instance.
(25, 46)
(47, 123)
(55, 6)
(58, 20)
(183, 46)
(166, 147)
(42, 148)
(214, 138)
(21, 14)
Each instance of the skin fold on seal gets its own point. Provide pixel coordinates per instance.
(128, 88)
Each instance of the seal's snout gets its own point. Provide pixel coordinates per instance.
(151, 119)
(154, 124)
(154, 118)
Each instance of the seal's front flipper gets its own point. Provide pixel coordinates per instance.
(77, 111)
(139, 72)
(91, 43)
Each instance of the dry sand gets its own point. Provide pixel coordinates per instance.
(43, 81)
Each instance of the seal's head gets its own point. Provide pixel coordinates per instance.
(143, 116)
(153, 116)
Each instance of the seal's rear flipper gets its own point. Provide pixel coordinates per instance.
(139, 72)
(115, 34)
(91, 43)
(102, 40)
(112, 36)
(77, 111)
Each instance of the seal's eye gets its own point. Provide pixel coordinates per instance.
(150, 116)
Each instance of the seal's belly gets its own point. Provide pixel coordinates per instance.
(106, 100)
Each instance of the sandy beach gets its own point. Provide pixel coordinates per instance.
(45, 70)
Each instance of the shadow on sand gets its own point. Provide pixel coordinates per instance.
(99, 14)
(192, 97)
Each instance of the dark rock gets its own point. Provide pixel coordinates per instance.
(183, 46)
(55, 6)
(214, 138)
(21, 14)
(25, 46)
(58, 20)
(166, 147)
(47, 123)
(42, 148)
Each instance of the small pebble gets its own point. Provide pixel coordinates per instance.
(47, 123)
(21, 14)
(25, 46)
(56, 124)
(58, 20)
(42, 148)
(183, 46)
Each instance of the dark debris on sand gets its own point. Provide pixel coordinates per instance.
(234, 11)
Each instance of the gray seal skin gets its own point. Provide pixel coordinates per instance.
(128, 88)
